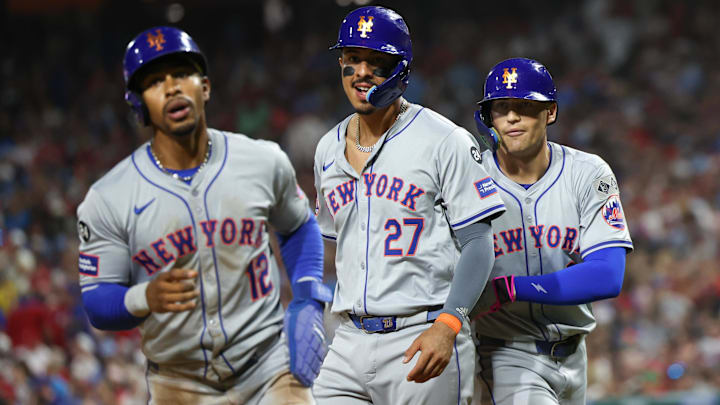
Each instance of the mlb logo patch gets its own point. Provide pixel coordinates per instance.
(89, 264)
(612, 212)
(485, 187)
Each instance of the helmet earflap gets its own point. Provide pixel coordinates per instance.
(392, 88)
(488, 135)
(138, 107)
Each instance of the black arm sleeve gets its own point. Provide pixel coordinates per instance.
(473, 269)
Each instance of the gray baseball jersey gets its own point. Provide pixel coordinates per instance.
(572, 211)
(393, 222)
(137, 221)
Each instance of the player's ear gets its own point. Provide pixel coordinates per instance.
(205, 88)
(552, 113)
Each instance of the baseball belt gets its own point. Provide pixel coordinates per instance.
(558, 349)
(391, 323)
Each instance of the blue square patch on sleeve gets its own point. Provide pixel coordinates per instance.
(89, 265)
(485, 187)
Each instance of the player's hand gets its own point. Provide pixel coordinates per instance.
(436, 347)
(172, 291)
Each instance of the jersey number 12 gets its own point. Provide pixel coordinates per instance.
(258, 272)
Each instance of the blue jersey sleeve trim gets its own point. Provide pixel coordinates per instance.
(479, 216)
(599, 277)
(105, 307)
(619, 243)
(302, 251)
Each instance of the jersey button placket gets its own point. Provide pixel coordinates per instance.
(213, 328)
(529, 218)
(362, 211)
(208, 279)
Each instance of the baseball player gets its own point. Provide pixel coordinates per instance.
(174, 241)
(560, 246)
(396, 182)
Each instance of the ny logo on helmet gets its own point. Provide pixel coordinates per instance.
(365, 26)
(509, 78)
(156, 41)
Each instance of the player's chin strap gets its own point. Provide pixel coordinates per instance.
(392, 88)
(488, 135)
(304, 328)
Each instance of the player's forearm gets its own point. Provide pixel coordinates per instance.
(106, 307)
(599, 277)
(472, 270)
(302, 252)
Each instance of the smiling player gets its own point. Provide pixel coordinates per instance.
(396, 184)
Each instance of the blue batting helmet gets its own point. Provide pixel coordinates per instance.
(383, 30)
(148, 46)
(513, 78)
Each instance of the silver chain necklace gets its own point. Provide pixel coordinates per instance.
(369, 149)
(177, 176)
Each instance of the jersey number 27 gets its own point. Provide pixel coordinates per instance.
(393, 225)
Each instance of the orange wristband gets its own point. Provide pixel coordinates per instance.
(451, 321)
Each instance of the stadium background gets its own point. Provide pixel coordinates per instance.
(638, 84)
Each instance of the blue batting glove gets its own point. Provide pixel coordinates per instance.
(306, 338)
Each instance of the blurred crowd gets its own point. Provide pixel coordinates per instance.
(637, 82)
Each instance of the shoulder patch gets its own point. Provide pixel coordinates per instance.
(83, 231)
(476, 155)
(485, 187)
(606, 186)
(89, 265)
(612, 212)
